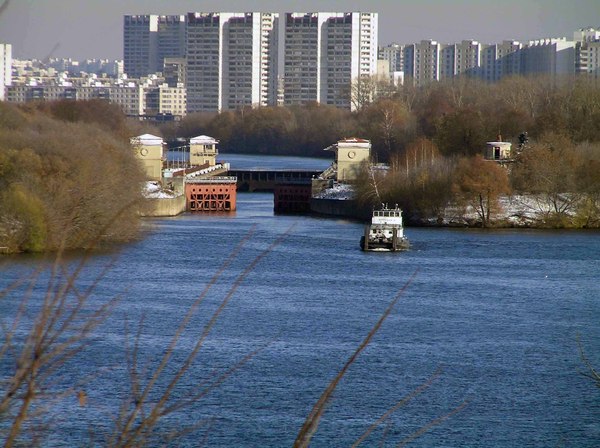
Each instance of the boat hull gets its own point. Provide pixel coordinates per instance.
(384, 245)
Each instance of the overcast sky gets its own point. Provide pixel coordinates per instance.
(83, 29)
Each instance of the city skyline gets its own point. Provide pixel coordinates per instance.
(94, 29)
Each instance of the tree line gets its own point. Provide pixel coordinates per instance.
(459, 115)
(68, 177)
(432, 137)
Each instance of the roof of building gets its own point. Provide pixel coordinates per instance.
(350, 142)
(147, 140)
(354, 140)
(203, 139)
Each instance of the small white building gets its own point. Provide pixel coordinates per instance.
(149, 149)
(203, 150)
(499, 151)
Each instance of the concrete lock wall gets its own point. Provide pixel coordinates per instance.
(337, 207)
(165, 206)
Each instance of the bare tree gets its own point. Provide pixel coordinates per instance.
(547, 170)
(362, 92)
(479, 183)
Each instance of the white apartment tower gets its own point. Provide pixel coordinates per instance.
(555, 57)
(468, 58)
(587, 47)
(460, 59)
(231, 60)
(500, 60)
(149, 39)
(5, 68)
(325, 53)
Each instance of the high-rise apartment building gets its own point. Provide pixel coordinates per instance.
(447, 61)
(325, 53)
(5, 68)
(588, 58)
(149, 39)
(500, 60)
(463, 58)
(174, 71)
(231, 60)
(468, 58)
(302, 72)
(422, 62)
(554, 57)
(586, 35)
(587, 51)
(394, 55)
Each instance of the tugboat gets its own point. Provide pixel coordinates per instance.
(385, 233)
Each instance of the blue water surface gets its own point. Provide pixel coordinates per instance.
(499, 313)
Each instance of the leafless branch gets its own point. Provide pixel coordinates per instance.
(312, 421)
(399, 404)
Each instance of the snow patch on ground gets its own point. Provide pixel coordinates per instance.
(517, 210)
(338, 191)
(154, 190)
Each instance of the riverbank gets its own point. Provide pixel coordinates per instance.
(516, 211)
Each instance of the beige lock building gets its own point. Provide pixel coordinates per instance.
(203, 151)
(149, 149)
(350, 154)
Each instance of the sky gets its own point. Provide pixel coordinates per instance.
(86, 29)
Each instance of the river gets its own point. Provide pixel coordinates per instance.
(498, 312)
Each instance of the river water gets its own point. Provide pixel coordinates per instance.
(498, 312)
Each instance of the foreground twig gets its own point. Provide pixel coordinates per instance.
(135, 425)
(58, 332)
(394, 408)
(312, 421)
(592, 373)
(431, 424)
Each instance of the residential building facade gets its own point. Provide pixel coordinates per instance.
(231, 60)
(422, 62)
(500, 60)
(587, 52)
(394, 55)
(554, 57)
(326, 53)
(141, 98)
(149, 39)
(5, 68)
